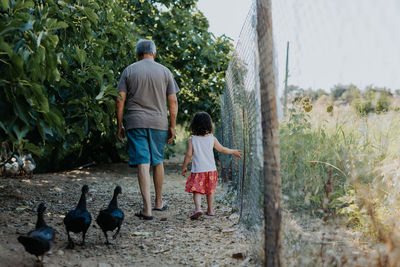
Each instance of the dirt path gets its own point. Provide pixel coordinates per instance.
(171, 239)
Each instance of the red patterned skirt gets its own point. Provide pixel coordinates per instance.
(202, 182)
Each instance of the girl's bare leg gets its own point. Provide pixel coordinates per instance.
(197, 200)
(210, 200)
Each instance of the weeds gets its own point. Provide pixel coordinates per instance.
(342, 164)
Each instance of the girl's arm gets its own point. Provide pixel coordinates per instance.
(188, 156)
(220, 148)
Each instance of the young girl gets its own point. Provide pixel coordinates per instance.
(203, 177)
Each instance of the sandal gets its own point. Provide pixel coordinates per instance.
(196, 214)
(210, 213)
(164, 207)
(143, 217)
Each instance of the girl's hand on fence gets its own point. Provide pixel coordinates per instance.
(237, 153)
(184, 170)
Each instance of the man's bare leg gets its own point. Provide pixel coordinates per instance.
(158, 178)
(144, 184)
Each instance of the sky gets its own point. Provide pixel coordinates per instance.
(331, 42)
(225, 16)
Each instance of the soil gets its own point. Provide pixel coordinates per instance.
(171, 239)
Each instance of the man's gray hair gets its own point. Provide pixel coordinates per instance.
(145, 46)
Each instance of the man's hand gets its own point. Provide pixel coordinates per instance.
(121, 134)
(171, 135)
(120, 113)
(173, 111)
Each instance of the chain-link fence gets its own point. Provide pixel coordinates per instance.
(241, 125)
(332, 45)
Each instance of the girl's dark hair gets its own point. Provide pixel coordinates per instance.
(201, 124)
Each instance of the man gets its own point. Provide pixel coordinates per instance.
(147, 86)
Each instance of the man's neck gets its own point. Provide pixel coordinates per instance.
(147, 56)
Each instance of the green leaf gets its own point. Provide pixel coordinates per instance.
(53, 24)
(61, 25)
(21, 110)
(4, 4)
(41, 54)
(56, 75)
(110, 17)
(44, 130)
(21, 4)
(111, 91)
(41, 100)
(91, 15)
(53, 39)
(101, 93)
(18, 63)
(33, 148)
(27, 26)
(20, 133)
(80, 55)
(4, 46)
(7, 29)
(55, 119)
(21, 208)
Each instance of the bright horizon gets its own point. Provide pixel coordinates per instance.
(331, 42)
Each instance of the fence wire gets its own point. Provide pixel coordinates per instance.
(241, 125)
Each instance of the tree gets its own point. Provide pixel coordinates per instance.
(60, 62)
(337, 91)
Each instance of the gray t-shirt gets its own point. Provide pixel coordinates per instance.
(147, 85)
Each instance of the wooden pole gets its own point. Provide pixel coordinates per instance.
(285, 92)
(269, 123)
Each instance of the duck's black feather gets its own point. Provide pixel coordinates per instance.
(79, 219)
(111, 218)
(39, 240)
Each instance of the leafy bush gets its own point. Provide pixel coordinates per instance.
(377, 101)
(60, 62)
(337, 91)
(363, 107)
(382, 104)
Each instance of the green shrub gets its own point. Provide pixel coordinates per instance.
(310, 179)
(382, 104)
(60, 62)
(343, 164)
(363, 107)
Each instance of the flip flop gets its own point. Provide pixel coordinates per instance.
(165, 207)
(196, 214)
(143, 217)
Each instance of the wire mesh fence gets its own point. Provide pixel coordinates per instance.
(241, 126)
(329, 47)
(332, 47)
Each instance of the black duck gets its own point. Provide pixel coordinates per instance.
(112, 217)
(78, 220)
(39, 240)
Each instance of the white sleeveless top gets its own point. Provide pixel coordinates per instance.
(203, 154)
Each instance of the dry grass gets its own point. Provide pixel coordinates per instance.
(368, 153)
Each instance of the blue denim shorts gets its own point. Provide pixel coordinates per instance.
(146, 146)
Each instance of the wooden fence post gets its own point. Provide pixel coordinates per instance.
(270, 127)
